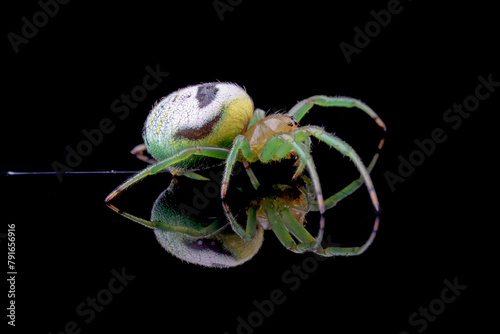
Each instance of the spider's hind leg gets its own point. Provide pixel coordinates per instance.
(208, 151)
(139, 150)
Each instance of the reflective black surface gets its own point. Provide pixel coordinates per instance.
(85, 82)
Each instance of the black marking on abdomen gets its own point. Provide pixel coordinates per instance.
(212, 244)
(200, 132)
(206, 94)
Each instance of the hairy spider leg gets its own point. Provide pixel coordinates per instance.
(301, 164)
(345, 149)
(139, 150)
(211, 229)
(282, 143)
(251, 175)
(240, 143)
(300, 109)
(208, 151)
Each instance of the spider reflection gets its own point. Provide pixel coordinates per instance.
(222, 241)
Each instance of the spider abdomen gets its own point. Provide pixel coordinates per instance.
(210, 114)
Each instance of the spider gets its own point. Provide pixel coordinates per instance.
(210, 242)
(217, 120)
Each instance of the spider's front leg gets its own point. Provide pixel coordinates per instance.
(301, 108)
(345, 149)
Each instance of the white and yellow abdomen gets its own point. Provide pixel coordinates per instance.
(210, 114)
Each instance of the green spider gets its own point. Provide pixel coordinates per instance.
(210, 242)
(217, 120)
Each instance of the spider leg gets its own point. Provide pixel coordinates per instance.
(301, 164)
(301, 108)
(240, 144)
(283, 223)
(249, 232)
(307, 241)
(193, 175)
(344, 148)
(350, 251)
(251, 175)
(139, 150)
(258, 114)
(331, 201)
(279, 145)
(208, 151)
(214, 227)
(279, 228)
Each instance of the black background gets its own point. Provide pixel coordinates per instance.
(436, 225)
